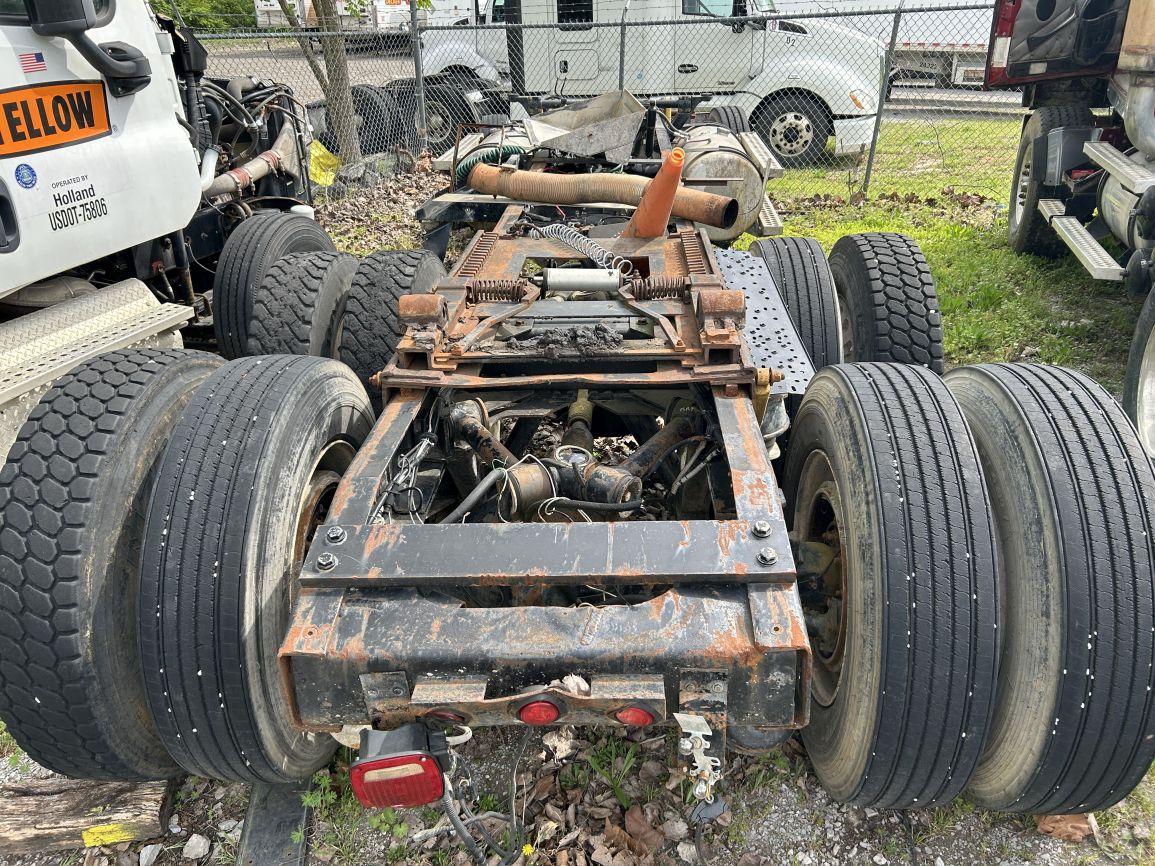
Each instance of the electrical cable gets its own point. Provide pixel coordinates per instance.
(474, 496)
(450, 807)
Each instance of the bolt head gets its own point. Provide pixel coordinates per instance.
(335, 535)
(761, 528)
(767, 556)
(326, 561)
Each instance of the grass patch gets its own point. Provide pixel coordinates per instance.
(922, 157)
(997, 305)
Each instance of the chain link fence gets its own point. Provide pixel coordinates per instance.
(850, 99)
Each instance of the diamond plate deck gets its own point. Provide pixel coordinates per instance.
(770, 334)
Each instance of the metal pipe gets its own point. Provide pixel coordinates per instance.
(654, 450)
(467, 422)
(281, 156)
(883, 88)
(534, 186)
(622, 49)
(209, 167)
(418, 80)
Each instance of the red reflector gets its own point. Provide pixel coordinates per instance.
(634, 717)
(539, 713)
(401, 781)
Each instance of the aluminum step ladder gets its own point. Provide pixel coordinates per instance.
(1135, 176)
(1099, 263)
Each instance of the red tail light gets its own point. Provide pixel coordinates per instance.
(634, 717)
(402, 781)
(539, 713)
(401, 768)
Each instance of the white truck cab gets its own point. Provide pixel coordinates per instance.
(798, 82)
(83, 170)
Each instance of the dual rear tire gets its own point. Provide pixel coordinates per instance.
(987, 619)
(244, 482)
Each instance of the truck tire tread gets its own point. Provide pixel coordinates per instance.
(73, 494)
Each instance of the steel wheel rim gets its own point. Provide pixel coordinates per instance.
(1022, 188)
(316, 501)
(438, 121)
(791, 133)
(1145, 396)
(845, 331)
(818, 518)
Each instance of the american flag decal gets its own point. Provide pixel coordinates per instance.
(32, 62)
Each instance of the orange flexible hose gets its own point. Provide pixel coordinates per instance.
(535, 186)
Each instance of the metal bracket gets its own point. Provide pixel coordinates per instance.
(703, 698)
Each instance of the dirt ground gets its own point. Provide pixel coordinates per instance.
(599, 797)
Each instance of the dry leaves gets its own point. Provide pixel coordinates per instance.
(1069, 828)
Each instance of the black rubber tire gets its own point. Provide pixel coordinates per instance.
(1074, 500)
(445, 109)
(404, 97)
(73, 496)
(376, 113)
(888, 303)
(377, 109)
(802, 275)
(369, 327)
(219, 539)
(903, 726)
(297, 307)
(731, 117)
(810, 112)
(1028, 230)
(249, 252)
(1139, 389)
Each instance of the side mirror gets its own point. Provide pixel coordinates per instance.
(61, 17)
(125, 67)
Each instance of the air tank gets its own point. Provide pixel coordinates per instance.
(716, 162)
(1116, 206)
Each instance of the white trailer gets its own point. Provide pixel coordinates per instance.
(937, 43)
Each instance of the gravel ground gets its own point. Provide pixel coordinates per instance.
(595, 796)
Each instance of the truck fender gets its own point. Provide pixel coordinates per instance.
(830, 81)
(455, 52)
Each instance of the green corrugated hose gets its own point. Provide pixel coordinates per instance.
(491, 156)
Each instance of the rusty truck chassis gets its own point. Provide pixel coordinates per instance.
(395, 618)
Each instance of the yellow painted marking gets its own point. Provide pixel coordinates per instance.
(107, 834)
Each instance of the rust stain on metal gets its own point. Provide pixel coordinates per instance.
(382, 534)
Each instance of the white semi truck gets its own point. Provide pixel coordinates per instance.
(800, 83)
(138, 195)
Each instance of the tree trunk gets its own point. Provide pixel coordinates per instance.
(41, 815)
(339, 112)
(306, 47)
